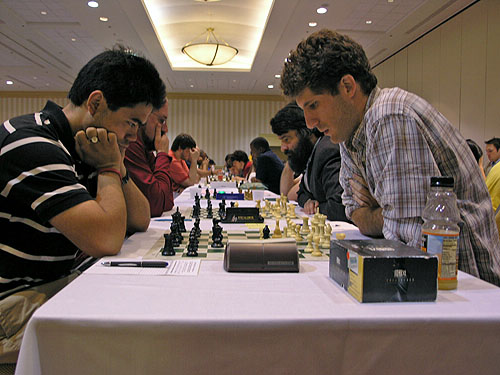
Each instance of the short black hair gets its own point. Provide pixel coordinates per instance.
(494, 141)
(183, 141)
(239, 155)
(320, 61)
(260, 144)
(125, 79)
(476, 150)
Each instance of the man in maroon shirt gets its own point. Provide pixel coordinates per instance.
(147, 162)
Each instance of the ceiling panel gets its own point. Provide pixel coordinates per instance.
(54, 46)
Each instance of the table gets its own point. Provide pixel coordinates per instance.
(241, 323)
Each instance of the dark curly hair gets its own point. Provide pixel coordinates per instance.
(291, 117)
(125, 79)
(321, 60)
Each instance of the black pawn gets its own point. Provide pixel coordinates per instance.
(168, 247)
(265, 232)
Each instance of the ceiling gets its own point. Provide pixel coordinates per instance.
(44, 52)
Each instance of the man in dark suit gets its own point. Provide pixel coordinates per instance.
(316, 158)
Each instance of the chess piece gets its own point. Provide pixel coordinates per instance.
(168, 247)
(265, 232)
(305, 226)
(309, 248)
(340, 236)
(316, 252)
(298, 237)
(277, 230)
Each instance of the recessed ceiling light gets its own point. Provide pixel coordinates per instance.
(191, 85)
(9, 82)
(313, 24)
(277, 76)
(104, 19)
(47, 84)
(93, 4)
(321, 10)
(35, 77)
(43, 12)
(270, 86)
(368, 22)
(390, 1)
(73, 39)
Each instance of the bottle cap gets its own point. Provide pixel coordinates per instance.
(442, 181)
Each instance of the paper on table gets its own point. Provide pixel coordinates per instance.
(189, 267)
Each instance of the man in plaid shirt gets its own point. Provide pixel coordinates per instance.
(392, 142)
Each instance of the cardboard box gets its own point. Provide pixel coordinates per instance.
(382, 270)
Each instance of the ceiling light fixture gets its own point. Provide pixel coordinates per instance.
(43, 13)
(368, 22)
(277, 76)
(209, 51)
(104, 19)
(313, 24)
(93, 4)
(321, 10)
(270, 86)
(9, 82)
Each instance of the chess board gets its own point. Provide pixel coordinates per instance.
(207, 252)
(188, 213)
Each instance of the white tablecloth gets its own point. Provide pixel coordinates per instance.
(242, 323)
(230, 323)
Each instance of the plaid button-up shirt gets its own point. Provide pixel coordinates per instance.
(401, 143)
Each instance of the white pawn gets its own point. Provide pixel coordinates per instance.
(305, 226)
(298, 237)
(309, 248)
(317, 252)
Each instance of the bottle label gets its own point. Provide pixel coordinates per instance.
(445, 247)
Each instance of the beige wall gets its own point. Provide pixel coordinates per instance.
(456, 67)
(219, 123)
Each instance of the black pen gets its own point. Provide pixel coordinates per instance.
(136, 263)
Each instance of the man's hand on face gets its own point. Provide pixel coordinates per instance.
(194, 154)
(162, 143)
(361, 194)
(98, 148)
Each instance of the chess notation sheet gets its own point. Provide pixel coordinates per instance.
(188, 267)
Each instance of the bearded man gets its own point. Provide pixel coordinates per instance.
(311, 174)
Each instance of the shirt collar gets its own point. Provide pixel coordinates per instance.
(52, 114)
(357, 139)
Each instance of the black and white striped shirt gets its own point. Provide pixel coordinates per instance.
(38, 180)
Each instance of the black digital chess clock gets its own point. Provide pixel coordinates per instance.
(238, 215)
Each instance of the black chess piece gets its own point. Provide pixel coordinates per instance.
(175, 232)
(192, 248)
(214, 196)
(207, 194)
(265, 232)
(217, 235)
(168, 247)
(182, 225)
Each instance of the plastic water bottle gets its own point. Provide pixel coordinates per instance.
(440, 230)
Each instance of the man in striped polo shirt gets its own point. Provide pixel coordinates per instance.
(64, 189)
